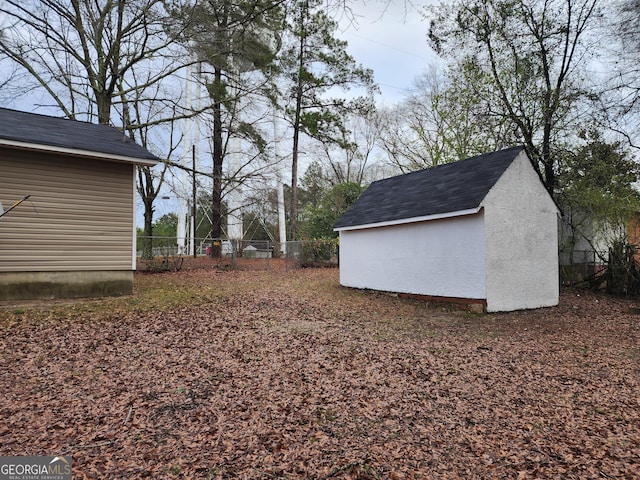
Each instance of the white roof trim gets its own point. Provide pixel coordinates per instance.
(402, 221)
(83, 153)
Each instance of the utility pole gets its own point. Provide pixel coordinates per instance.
(193, 201)
(282, 226)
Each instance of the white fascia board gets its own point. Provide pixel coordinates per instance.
(76, 152)
(402, 221)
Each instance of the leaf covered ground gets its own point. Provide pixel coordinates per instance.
(275, 374)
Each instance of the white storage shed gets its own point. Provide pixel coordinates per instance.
(482, 230)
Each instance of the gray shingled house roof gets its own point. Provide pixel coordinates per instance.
(447, 188)
(22, 129)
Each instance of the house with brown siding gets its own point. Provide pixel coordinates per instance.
(74, 234)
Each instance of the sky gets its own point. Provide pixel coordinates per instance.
(391, 42)
(389, 38)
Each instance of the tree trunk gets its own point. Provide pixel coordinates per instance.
(218, 158)
(145, 188)
(293, 211)
(147, 243)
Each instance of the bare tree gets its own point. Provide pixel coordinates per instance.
(79, 51)
(351, 160)
(440, 121)
(618, 97)
(523, 59)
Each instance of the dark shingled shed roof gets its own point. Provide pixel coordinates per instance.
(447, 188)
(32, 128)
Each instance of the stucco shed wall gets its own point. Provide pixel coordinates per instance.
(438, 258)
(521, 222)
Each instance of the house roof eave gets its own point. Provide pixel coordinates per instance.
(77, 152)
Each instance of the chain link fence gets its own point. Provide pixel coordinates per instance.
(165, 252)
(581, 266)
